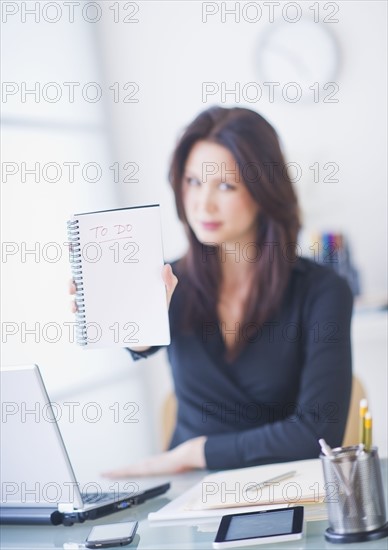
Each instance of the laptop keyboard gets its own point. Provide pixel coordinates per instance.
(98, 498)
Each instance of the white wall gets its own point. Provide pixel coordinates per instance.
(171, 52)
(35, 310)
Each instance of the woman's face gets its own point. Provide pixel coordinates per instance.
(218, 206)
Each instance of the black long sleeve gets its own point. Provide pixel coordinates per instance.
(137, 355)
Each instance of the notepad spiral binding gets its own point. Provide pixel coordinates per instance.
(76, 269)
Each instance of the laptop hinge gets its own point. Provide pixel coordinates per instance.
(66, 507)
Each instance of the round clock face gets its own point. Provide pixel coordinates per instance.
(304, 52)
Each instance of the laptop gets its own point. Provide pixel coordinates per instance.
(38, 484)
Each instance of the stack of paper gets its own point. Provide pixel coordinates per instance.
(229, 491)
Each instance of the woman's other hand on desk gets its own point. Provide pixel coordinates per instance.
(187, 456)
(170, 280)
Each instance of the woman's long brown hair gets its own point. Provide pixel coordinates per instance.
(255, 147)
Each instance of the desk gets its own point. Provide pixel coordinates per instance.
(166, 537)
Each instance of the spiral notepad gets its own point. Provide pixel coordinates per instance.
(117, 259)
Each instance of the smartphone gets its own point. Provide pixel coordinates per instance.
(111, 534)
(262, 527)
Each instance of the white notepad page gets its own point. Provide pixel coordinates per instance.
(122, 260)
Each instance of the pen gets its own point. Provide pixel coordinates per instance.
(368, 431)
(363, 410)
(272, 480)
(328, 451)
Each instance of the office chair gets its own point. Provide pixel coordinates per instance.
(168, 418)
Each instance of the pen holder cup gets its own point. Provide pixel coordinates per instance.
(354, 495)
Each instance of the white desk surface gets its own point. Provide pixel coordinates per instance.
(165, 537)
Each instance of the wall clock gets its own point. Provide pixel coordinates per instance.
(304, 52)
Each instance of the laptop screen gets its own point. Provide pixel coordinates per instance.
(35, 467)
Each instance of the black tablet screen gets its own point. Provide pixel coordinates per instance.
(256, 525)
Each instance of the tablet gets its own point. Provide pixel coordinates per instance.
(262, 527)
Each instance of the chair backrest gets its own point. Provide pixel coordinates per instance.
(168, 418)
(351, 436)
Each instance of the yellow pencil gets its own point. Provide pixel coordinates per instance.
(363, 410)
(368, 431)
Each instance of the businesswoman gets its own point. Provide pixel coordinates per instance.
(260, 337)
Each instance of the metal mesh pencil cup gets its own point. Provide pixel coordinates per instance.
(354, 495)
